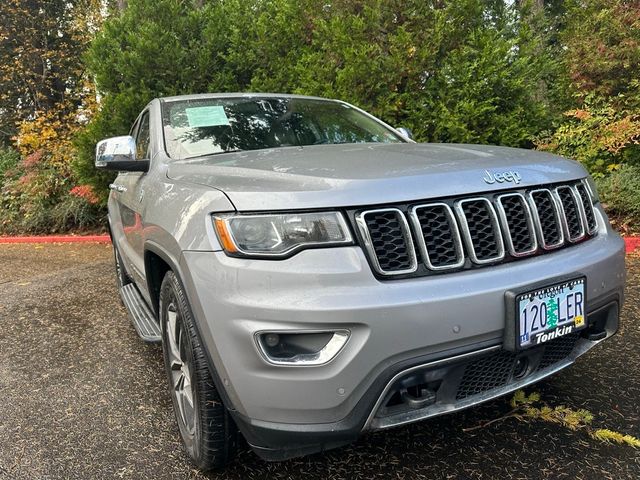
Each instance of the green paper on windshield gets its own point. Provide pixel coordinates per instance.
(210, 116)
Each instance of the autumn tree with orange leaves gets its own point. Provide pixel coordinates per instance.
(46, 98)
(41, 42)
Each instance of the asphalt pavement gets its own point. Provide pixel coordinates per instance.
(82, 397)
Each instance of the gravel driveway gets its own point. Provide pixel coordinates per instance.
(83, 398)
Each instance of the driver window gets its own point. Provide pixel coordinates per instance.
(142, 138)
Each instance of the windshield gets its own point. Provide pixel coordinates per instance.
(193, 128)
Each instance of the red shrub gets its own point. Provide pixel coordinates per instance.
(32, 160)
(86, 192)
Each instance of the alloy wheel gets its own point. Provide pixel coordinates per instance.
(181, 368)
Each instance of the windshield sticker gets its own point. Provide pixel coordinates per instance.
(210, 116)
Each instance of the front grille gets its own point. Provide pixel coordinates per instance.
(527, 222)
(497, 369)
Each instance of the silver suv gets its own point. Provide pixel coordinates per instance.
(313, 273)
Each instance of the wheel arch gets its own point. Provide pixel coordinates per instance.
(157, 262)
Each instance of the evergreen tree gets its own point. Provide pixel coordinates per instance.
(464, 71)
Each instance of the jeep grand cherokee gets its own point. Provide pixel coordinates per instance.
(312, 273)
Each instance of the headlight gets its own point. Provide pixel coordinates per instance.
(279, 235)
(593, 190)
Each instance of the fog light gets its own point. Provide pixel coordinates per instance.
(301, 348)
(272, 340)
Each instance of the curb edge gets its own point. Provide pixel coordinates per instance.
(58, 239)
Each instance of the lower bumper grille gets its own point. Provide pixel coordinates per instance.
(452, 383)
(557, 350)
(471, 381)
(487, 373)
(498, 369)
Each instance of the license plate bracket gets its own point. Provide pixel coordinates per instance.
(543, 311)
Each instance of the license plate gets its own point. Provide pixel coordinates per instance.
(550, 312)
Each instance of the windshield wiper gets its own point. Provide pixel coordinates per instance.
(227, 151)
(213, 153)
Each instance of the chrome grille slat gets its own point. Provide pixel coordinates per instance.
(437, 235)
(572, 216)
(587, 207)
(480, 230)
(546, 214)
(387, 238)
(517, 224)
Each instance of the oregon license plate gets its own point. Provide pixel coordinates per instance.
(550, 312)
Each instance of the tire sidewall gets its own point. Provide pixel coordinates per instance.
(169, 292)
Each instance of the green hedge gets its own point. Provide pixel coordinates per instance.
(619, 193)
(562, 78)
(466, 71)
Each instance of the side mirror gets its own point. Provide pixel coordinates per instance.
(119, 153)
(405, 132)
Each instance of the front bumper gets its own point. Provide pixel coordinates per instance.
(394, 325)
(467, 379)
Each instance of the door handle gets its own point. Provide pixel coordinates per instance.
(117, 188)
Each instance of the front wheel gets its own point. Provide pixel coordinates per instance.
(208, 431)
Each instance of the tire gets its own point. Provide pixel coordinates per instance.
(208, 432)
(122, 278)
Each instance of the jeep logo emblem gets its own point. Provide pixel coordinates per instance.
(501, 177)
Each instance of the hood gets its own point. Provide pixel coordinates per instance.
(326, 176)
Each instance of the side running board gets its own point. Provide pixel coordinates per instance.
(141, 315)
